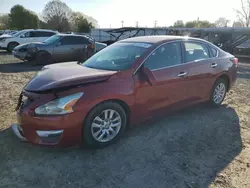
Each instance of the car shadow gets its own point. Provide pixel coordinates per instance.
(243, 71)
(18, 67)
(3, 52)
(188, 148)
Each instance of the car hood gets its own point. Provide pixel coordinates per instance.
(64, 75)
(5, 36)
(30, 45)
(36, 44)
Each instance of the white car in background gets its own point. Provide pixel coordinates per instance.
(9, 42)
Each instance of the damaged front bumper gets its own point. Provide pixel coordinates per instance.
(18, 132)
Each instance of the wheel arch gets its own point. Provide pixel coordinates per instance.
(123, 104)
(13, 42)
(226, 78)
(43, 51)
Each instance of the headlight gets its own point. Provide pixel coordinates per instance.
(59, 106)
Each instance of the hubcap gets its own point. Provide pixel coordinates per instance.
(106, 125)
(219, 93)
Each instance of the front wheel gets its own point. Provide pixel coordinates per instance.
(11, 46)
(43, 58)
(104, 125)
(218, 92)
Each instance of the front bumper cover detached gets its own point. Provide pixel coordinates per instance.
(18, 132)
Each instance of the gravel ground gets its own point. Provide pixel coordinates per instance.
(195, 148)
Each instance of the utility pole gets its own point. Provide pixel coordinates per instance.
(122, 22)
(155, 23)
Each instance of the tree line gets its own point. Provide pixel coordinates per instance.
(56, 15)
(221, 22)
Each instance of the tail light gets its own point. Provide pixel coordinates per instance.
(92, 46)
(235, 61)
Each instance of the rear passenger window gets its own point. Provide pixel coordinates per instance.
(214, 52)
(165, 56)
(70, 40)
(43, 34)
(195, 51)
(82, 40)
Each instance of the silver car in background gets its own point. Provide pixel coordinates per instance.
(59, 48)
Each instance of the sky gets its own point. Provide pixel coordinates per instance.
(110, 13)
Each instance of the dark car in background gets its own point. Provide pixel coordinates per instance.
(58, 48)
(129, 81)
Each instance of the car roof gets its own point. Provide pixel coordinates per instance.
(75, 35)
(38, 30)
(159, 38)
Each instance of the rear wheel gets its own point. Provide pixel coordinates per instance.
(104, 125)
(11, 46)
(218, 92)
(43, 58)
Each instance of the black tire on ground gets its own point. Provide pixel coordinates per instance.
(11, 46)
(88, 138)
(220, 81)
(43, 58)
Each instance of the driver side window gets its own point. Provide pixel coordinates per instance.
(27, 34)
(165, 56)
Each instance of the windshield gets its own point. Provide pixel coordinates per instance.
(52, 39)
(118, 56)
(19, 33)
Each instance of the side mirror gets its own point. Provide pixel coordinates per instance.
(148, 75)
(58, 43)
(22, 36)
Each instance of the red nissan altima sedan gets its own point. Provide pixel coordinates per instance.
(127, 82)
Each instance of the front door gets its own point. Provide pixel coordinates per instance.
(64, 49)
(171, 83)
(27, 37)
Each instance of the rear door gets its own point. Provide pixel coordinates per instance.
(80, 48)
(171, 83)
(202, 68)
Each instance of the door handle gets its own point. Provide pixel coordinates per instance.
(182, 74)
(214, 65)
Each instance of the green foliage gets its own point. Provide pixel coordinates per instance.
(179, 24)
(81, 24)
(84, 26)
(57, 15)
(4, 21)
(21, 18)
(204, 24)
(193, 24)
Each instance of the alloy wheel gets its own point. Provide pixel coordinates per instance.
(219, 93)
(106, 125)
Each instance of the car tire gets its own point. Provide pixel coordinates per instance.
(218, 92)
(11, 46)
(43, 58)
(98, 133)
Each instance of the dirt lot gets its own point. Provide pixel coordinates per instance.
(197, 147)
